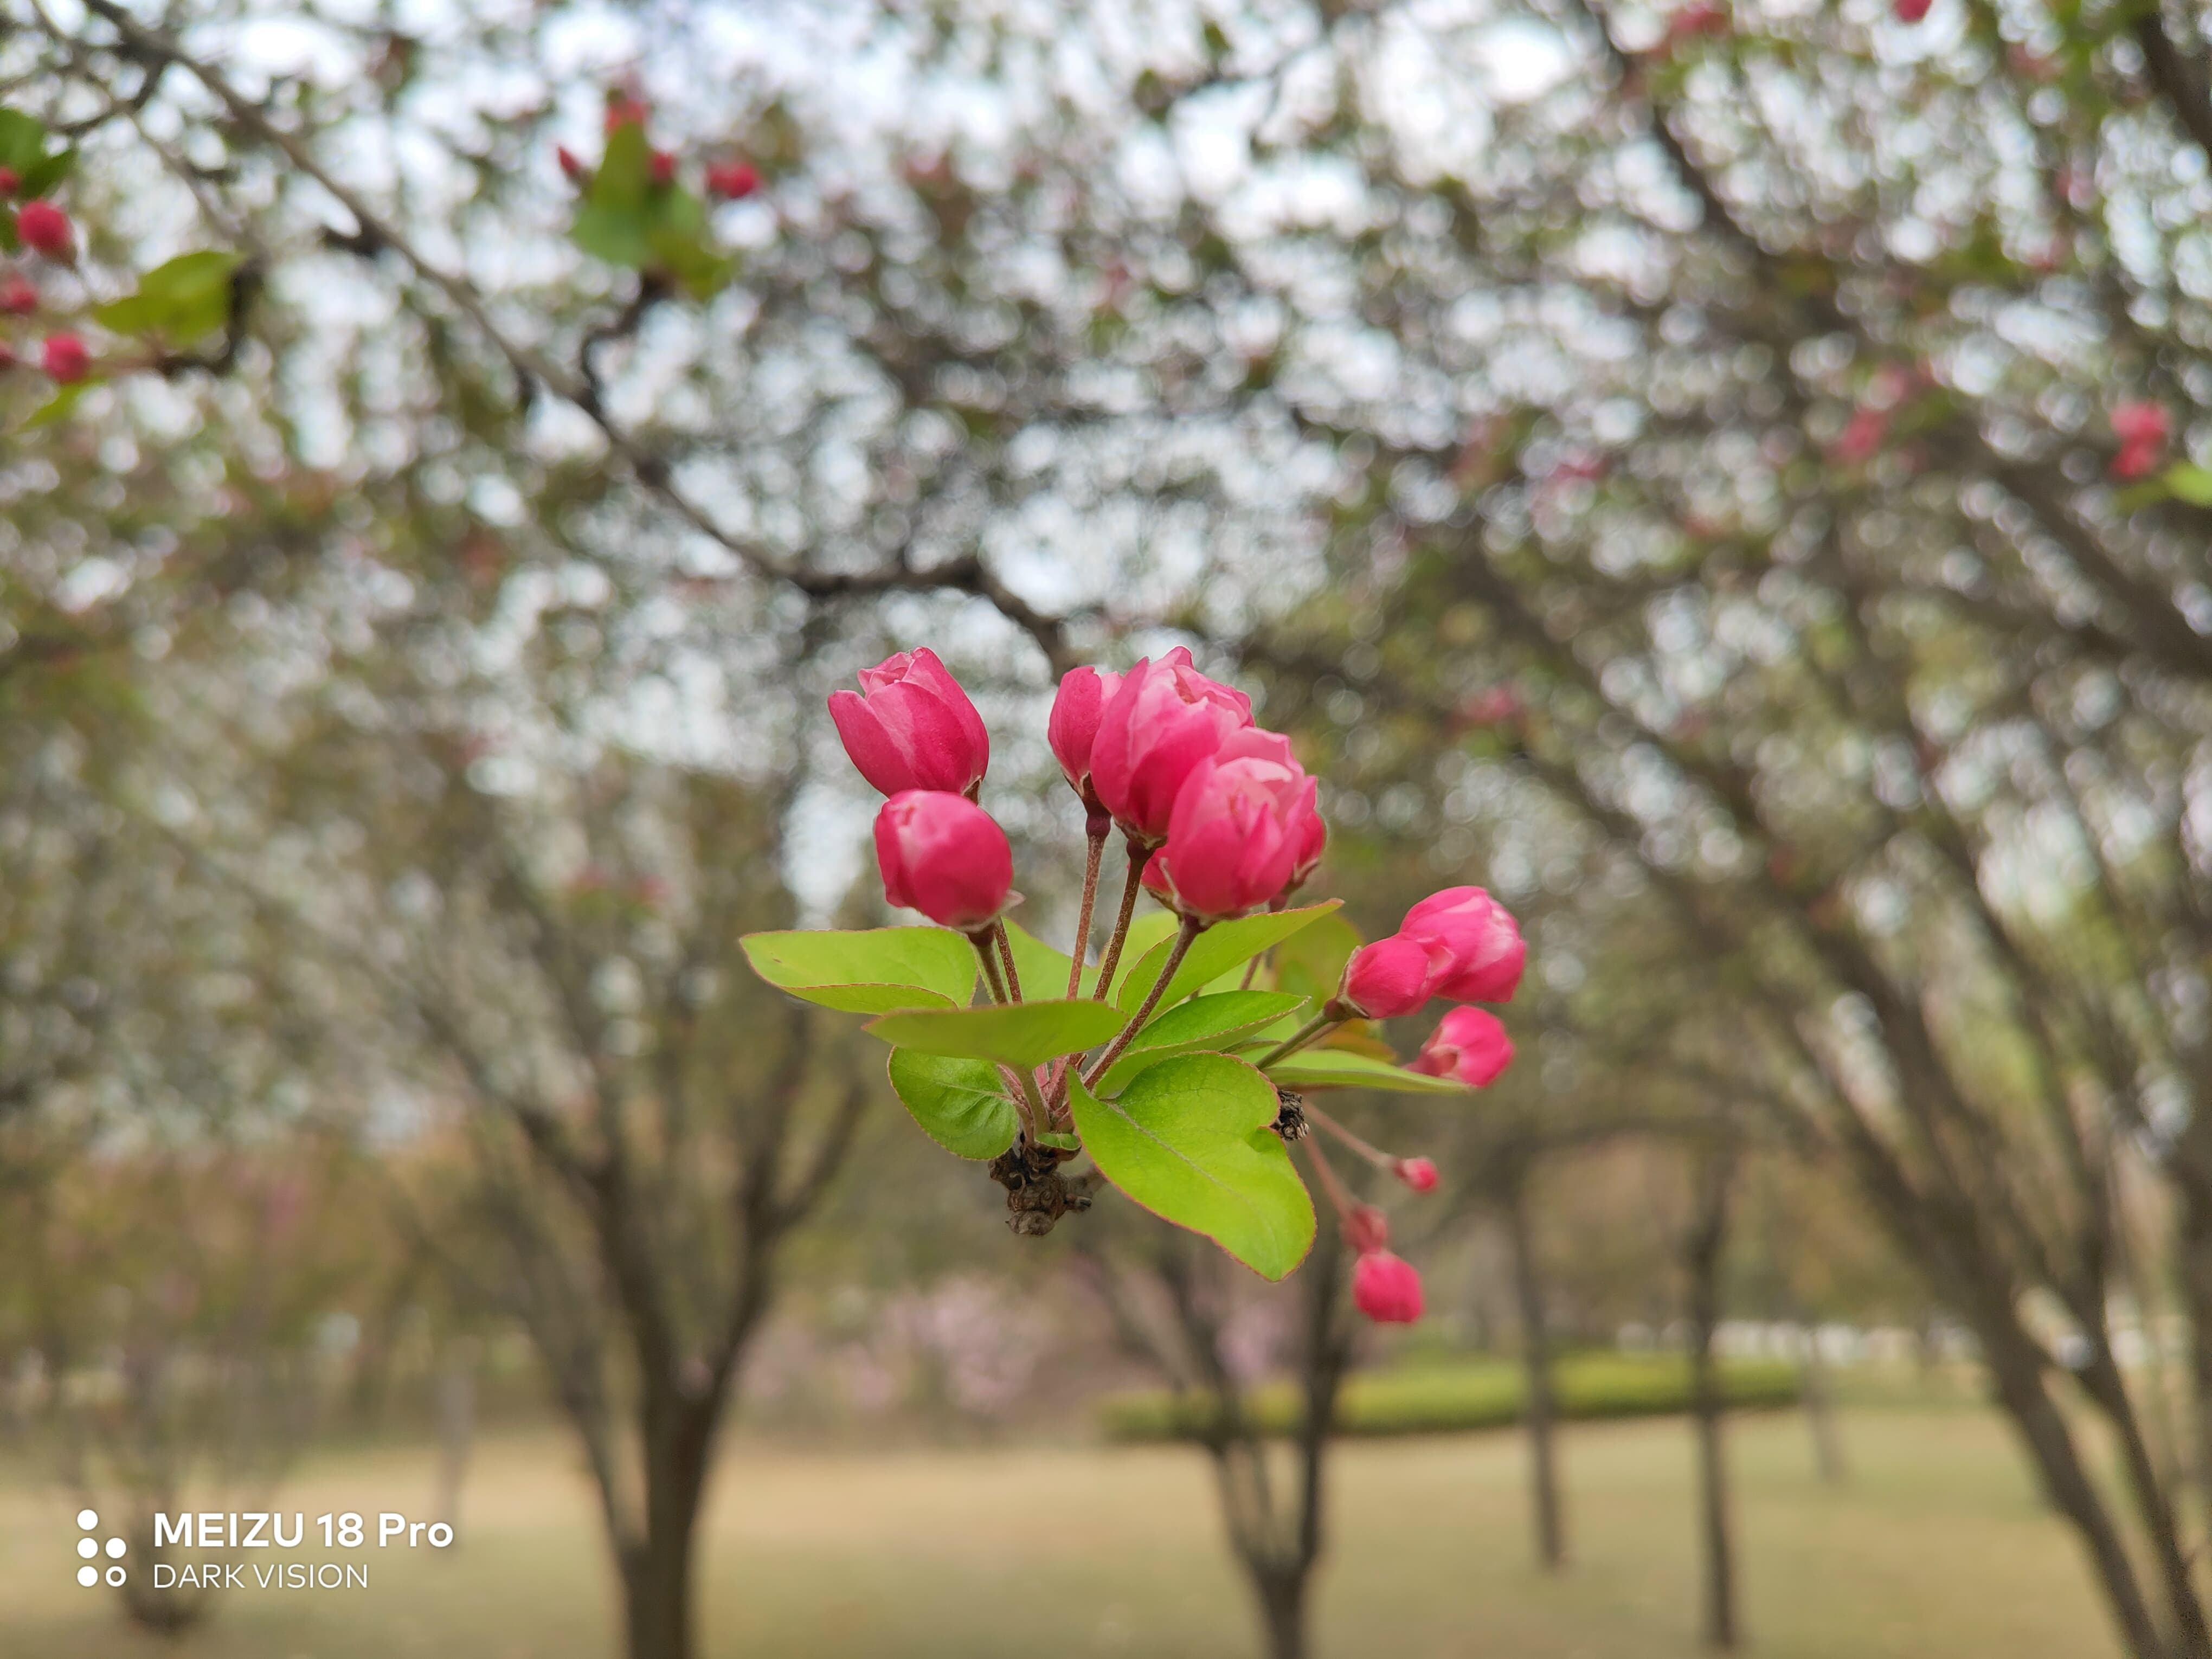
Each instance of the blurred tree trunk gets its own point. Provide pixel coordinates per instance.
(1278, 1534)
(1701, 1256)
(1542, 1413)
(457, 1413)
(1820, 1408)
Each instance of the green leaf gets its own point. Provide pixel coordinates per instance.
(1211, 1022)
(1191, 1141)
(868, 972)
(179, 300)
(1340, 1068)
(60, 405)
(2191, 483)
(1016, 1034)
(1145, 932)
(45, 174)
(1311, 962)
(1225, 945)
(961, 1104)
(1043, 970)
(22, 141)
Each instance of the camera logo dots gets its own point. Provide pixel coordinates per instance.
(90, 1548)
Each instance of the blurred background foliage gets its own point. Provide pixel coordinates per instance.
(1674, 468)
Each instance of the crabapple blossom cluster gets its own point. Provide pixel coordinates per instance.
(1180, 1051)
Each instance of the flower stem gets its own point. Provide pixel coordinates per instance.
(1138, 857)
(991, 980)
(1192, 928)
(1252, 968)
(1381, 1160)
(1094, 832)
(1330, 1186)
(1040, 1114)
(1305, 1034)
(1013, 1078)
(1007, 958)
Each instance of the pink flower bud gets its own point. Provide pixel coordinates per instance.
(662, 167)
(571, 167)
(1416, 1172)
(1234, 836)
(1310, 837)
(1164, 719)
(1862, 438)
(1366, 1229)
(18, 298)
(1073, 726)
(732, 181)
(1392, 977)
(911, 726)
(1468, 1046)
(623, 111)
(10, 181)
(46, 227)
(1386, 1288)
(2141, 423)
(1483, 944)
(944, 856)
(65, 358)
(1912, 11)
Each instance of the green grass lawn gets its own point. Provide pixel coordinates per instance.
(1936, 1547)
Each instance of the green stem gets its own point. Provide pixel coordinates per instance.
(1138, 857)
(1094, 831)
(1192, 928)
(1331, 1187)
(1006, 957)
(1380, 1159)
(1305, 1034)
(991, 980)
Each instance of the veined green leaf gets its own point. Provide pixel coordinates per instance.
(1191, 1141)
(1014, 1034)
(873, 971)
(178, 301)
(961, 1104)
(1340, 1068)
(1043, 970)
(1225, 945)
(1207, 1021)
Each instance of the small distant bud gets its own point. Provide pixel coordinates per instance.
(1912, 11)
(1366, 1229)
(65, 358)
(43, 226)
(1418, 1173)
(732, 181)
(663, 167)
(18, 297)
(570, 165)
(1387, 1288)
(623, 111)
(10, 181)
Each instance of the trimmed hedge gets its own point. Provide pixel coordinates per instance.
(1450, 1397)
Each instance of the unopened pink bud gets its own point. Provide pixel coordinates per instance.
(911, 726)
(1392, 977)
(65, 358)
(1418, 1173)
(1366, 1229)
(1386, 1288)
(942, 855)
(18, 297)
(1468, 1046)
(732, 181)
(662, 167)
(45, 228)
(1482, 942)
(1160, 723)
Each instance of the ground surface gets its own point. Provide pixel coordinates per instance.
(1937, 1547)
